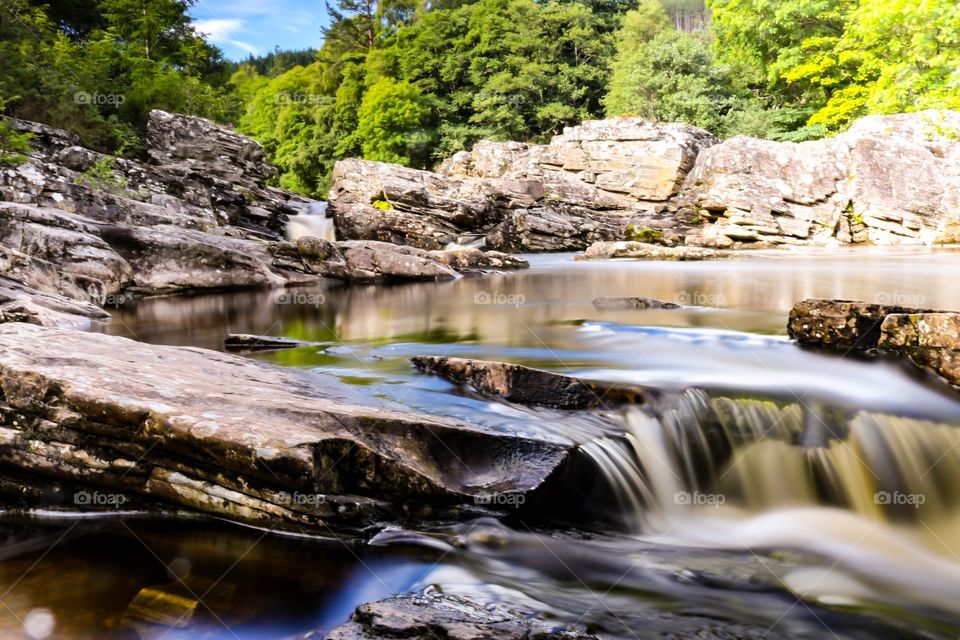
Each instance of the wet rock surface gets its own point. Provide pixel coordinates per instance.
(433, 615)
(930, 339)
(245, 441)
(619, 304)
(525, 385)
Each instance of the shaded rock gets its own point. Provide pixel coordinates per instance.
(524, 385)
(430, 615)
(632, 303)
(929, 339)
(887, 180)
(250, 342)
(243, 440)
(647, 251)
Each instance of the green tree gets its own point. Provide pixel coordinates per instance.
(389, 121)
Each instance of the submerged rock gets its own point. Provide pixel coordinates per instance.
(524, 385)
(608, 303)
(646, 251)
(431, 615)
(250, 342)
(239, 439)
(929, 339)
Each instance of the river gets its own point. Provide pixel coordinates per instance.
(781, 493)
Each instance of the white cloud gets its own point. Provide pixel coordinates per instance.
(223, 30)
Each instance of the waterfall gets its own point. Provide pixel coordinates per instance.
(311, 221)
(702, 455)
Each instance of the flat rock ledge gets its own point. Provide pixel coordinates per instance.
(635, 303)
(431, 616)
(525, 385)
(628, 249)
(238, 439)
(928, 338)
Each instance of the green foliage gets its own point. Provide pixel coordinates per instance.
(101, 174)
(389, 120)
(98, 68)
(843, 59)
(13, 144)
(383, 205)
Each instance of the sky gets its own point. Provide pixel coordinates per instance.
(242, 27)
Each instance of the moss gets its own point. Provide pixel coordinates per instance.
(650, 236)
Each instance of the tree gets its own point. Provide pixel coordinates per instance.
(389, 121)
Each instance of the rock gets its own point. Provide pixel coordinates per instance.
(929, 339)
(524, 385)
(470, 258)
(587, 185)
(240, 439)
(429, 615)
(632, 303)
(887, 180)
(249, 342)
(647, 251)
(839, 324)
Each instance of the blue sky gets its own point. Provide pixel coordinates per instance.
(242, 27)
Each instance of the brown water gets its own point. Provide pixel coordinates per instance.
(798, 547)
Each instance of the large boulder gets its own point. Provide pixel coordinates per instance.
(888, 180)
(239, 439)
(589, 184)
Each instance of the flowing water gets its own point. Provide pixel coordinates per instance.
(768, 492)
(311, 221)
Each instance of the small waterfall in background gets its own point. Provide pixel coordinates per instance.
(704, 455)
(311, 221)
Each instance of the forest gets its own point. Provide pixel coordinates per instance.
(412, 82)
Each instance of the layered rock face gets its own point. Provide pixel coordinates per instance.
(587, 185)
(239, 439)
(77, 228)
(888, 180)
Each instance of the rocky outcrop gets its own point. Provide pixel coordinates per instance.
(589, 184)
(430, 615)
(929, 339)
(242, 440)
(888, 180)
(78, 228)
(524, 385)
